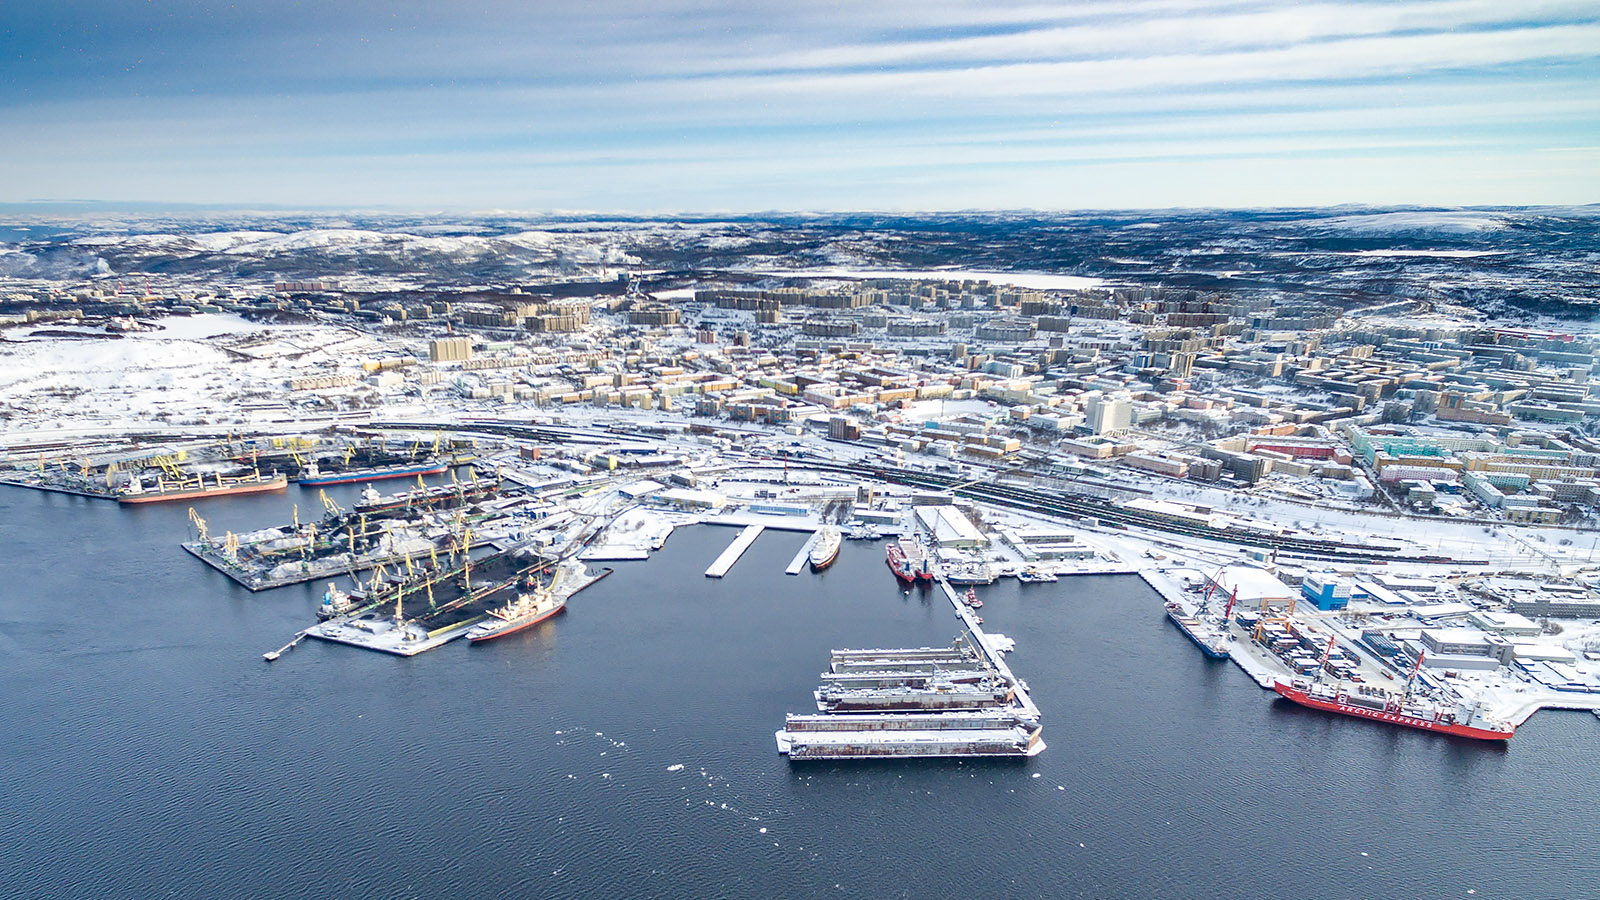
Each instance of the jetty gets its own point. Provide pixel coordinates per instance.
(735, 550)
(798, 564)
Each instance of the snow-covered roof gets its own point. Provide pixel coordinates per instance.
(1252, 584)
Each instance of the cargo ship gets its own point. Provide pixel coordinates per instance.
(971, 573)
(1211, 638)
(312, 476)
(907, 562)
(444, 496)
(1380, 705)
(335, 603)
(825, 547)
(899, 565)
(534, 605)
(528, 610)
(200, 487)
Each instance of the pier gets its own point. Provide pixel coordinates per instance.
(798, 564)
(735, 550)
(991, 651)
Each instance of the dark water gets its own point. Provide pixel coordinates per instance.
(148, 751)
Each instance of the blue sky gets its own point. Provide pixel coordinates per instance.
(894, 104)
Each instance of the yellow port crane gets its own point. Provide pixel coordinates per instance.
(200, 528)
(168, 465)
(331, 505)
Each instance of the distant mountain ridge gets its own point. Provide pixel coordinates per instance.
(1498, 261)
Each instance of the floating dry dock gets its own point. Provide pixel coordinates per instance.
(960, 700)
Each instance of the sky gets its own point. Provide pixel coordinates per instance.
(902, 105)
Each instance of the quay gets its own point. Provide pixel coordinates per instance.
(377, 630)
(735, 550)
(58, 489)
(255, 574)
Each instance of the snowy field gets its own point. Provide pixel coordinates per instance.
(182, 373)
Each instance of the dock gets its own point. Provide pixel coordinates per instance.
(798, 564)
(991, 650)
(389, 636)
(59, 489)
(735, 550)
(377, 630)
(961, 700)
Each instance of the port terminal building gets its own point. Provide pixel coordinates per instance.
(1254, 586)
(949, 528)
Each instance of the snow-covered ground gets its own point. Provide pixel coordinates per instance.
(181, 373)
(1039, 281)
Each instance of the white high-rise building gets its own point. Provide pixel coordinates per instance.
(1108, 415)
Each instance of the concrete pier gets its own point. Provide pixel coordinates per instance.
(994, 656)
(735, 550)
(797, 564)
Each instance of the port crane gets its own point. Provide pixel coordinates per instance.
(204, 535)
(331, 505)
(1327, 654)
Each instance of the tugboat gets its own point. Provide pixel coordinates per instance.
(972, 599)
